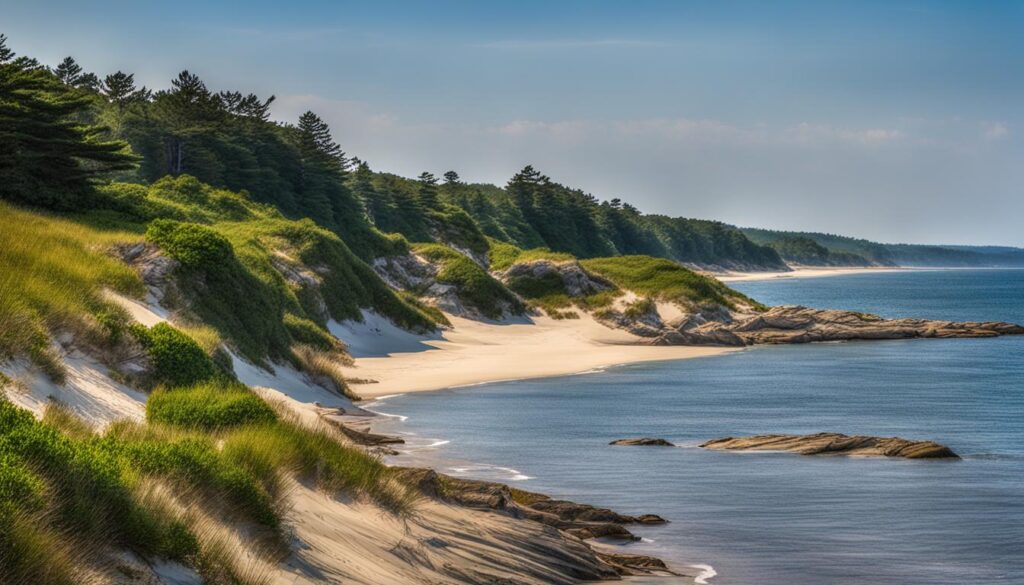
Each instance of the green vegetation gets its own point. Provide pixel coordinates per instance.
(177, 359)
(208, 406)
(49, 158)
(803, 250)
(52, 279)
(842, 247)
(245, 268)
(475, 287)
(67, 493)
(88, 503)
(663, 279)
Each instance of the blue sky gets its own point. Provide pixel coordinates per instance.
(898, 120)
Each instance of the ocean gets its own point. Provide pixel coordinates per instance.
(772, 518)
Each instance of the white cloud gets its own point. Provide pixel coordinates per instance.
(995, 130)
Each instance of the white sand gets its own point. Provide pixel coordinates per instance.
(474, 352)
(90, 392)
(148, 313)
(802, 273)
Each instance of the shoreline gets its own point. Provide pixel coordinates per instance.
(474, 353)
(811, 272)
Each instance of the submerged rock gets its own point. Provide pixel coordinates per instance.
(836, 444)
(643, 441)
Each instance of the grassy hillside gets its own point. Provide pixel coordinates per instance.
(52, 274)
(206, 454)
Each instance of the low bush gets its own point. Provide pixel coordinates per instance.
(208, 406)
(195, 246)
(177, 359)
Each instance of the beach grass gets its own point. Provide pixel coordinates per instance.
(663, 279)
(54, 273)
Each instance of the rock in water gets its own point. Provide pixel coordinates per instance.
(836, 444)
(643, 441)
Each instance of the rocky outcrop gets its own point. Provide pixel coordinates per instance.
(577, 520)
(580, 520)
(796, 324)
(569, 275)
(155, 268)
(643, 442)
(836, 444)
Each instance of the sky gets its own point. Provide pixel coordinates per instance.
(898, 121)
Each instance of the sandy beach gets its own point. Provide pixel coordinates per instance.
(474, 352)
(815, 272)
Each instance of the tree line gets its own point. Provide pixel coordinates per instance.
(65, 128)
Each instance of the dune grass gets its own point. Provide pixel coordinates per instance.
(502, 255)
(53, 273)
(659, 278)
(324, 366)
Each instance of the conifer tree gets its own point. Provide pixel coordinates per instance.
(68, 72)
(6, 54)
(120, 88)
(428, 190)
(47, 157)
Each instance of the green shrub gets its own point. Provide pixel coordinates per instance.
(208, 406)
(193, 460)
(501, 255)
(19, 486)
(195, 246)
(87, 493)
(177, 359)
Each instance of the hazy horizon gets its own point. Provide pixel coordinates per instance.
(895, 122)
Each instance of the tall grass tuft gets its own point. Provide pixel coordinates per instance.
(316, 453)
(54, 271)
(324, 366)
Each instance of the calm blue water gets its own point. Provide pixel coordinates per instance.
(778, 518)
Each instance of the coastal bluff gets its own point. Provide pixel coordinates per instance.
(835, 444)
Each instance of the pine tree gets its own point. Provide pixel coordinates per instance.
(6, 55)
(88, 81)
(47, 157)
(119, 88)
(376, 203)
(318, 144)
(428, 191)
(451, 178)
(68, 72)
